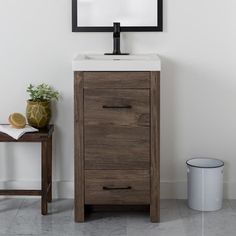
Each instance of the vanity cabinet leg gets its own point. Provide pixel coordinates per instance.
(79, 213)
(155, 212)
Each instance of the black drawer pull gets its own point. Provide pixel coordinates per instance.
(122, 107)
(116, 188)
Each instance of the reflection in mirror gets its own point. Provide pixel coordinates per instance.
(133, 15)
(127, 12)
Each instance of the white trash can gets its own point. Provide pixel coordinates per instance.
(205, 184)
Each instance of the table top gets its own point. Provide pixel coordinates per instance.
(42, 135)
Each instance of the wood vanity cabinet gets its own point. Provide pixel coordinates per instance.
(117, 135)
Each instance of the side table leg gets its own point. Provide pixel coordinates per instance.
(49, 174)
(44, 177)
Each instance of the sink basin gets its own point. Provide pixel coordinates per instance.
(99, 62)
(118, 57)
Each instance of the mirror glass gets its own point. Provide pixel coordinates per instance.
(127, 12)
(133, 15)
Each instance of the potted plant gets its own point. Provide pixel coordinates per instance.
(38, 111)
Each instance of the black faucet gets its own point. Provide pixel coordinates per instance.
(116, 40)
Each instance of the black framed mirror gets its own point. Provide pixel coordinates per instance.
(133, 15)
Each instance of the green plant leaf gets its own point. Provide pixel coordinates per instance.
(42, 92)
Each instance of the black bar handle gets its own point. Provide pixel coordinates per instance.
(117, 188)
(121, 107)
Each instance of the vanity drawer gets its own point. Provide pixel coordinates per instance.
(116, 129)
(117, 79)
(117, 187)
(117, 107)
(107, 147)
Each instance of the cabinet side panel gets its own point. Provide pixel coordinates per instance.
(155, 147)
(79, 146)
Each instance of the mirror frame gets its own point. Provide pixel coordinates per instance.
(76, 28)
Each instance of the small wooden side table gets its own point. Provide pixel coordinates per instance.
(44, 136)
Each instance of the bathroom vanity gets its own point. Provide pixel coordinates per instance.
(117, 133)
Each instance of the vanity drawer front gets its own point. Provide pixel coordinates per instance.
(117, 107)
(107, 147)
(117, 187)
(116, 79)
(116, 136)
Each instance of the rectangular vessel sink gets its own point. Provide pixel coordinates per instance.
(99, 62)
(118, 57)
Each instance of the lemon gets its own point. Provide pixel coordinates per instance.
(17, 120)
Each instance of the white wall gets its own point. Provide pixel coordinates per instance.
(198, 100)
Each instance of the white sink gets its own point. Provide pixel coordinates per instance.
(118, 57)
(99, 62)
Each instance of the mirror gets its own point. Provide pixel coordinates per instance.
(133, 15)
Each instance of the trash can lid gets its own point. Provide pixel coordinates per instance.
(204, 162)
